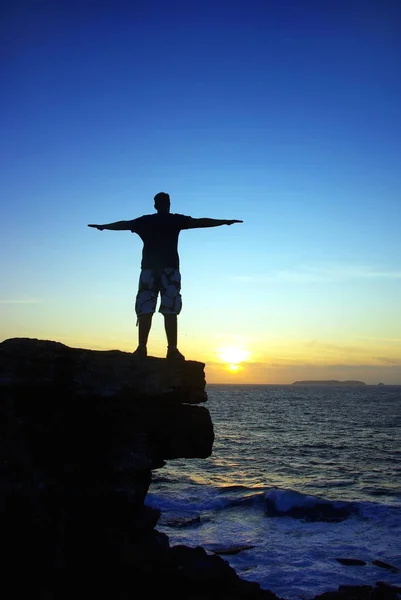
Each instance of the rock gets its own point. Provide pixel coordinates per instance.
(384, 565)
(81, 432)
(232, 549)
(352, 561)
(316, 511)
(46, 365)
(180, 520)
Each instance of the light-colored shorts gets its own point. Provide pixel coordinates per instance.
(167, 283)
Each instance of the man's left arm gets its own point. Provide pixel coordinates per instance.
(198, 223)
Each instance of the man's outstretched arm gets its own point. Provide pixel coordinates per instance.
(117, 226)
(195, 223)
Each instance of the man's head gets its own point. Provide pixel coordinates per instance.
(162, 202)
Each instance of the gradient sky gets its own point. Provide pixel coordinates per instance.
(285, 114)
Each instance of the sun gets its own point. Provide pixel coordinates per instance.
(233, 356)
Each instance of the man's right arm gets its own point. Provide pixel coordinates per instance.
(197, 223)
(117, 226)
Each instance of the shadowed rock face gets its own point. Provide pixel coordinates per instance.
(81, 432)
(96, 406)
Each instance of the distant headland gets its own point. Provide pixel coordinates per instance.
(330, 382)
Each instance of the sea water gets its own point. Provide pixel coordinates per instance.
(299, 477)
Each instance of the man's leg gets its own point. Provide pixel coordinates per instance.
(145, 305)
(170, 325)
(144, 325)
(170, 307)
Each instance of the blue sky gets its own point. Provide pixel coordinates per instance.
(283, 114)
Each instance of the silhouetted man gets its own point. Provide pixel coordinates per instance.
(160, 268)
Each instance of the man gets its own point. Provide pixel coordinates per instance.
(160, 268)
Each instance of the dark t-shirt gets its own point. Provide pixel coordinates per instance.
(159, 233)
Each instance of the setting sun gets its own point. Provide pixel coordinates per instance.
(233, 356)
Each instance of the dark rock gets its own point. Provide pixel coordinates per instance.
(81, 432)
(46, 365)
(228, 550)
(380, 591)
(384, 565)
(180, 520)
(319, 510)
(389, 587)
(351, 561)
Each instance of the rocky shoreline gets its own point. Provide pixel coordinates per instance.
(81, 433)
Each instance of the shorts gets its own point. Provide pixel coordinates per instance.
(152, 282)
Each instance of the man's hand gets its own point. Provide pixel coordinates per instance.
(233, 221)
(99, 227)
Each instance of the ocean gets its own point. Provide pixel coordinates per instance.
(329, 455)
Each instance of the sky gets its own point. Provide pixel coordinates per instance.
(281, 113)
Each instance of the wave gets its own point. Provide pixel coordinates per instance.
(273, 502)
(289, 503)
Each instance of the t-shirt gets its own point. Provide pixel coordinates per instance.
(159, 233)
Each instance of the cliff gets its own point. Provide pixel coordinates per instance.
(81, 433)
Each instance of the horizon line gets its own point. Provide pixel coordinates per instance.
(313, 382)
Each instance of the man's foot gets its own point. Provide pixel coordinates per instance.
(140, 352)
(174, 354)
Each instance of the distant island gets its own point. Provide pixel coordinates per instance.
(329, 382)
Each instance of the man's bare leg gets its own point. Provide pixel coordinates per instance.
(170, 326)
(144, 325)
